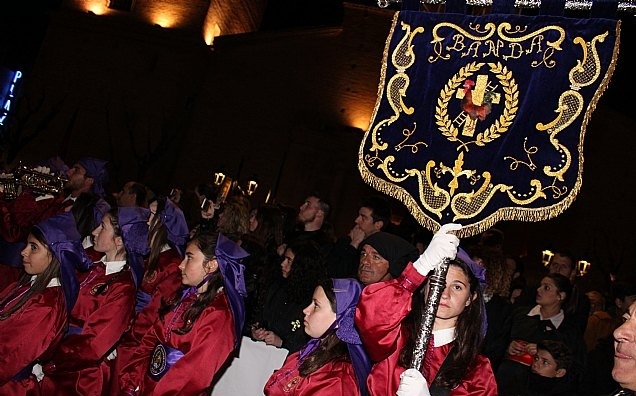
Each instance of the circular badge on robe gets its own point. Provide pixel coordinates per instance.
(158, 362)
(99, 288)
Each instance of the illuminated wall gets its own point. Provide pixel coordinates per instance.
(213, 19)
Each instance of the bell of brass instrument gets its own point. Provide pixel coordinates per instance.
(38, 179)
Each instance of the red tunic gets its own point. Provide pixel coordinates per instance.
(30, 334)
(79, 361)
(205, 348)
(379, 315)
(336, 378)
(162, 285)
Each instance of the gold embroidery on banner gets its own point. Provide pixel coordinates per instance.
(434, 198)
(408, 133)
(529, 151)
(589, 68)
(487, 32)
(402, 58)
(501, 125)
(467, 191)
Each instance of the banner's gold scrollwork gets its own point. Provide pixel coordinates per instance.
(589, 69)
(529, 152)
(414, 146)
(403, 57)
(391, 173)
(465, 205)
(434, 198)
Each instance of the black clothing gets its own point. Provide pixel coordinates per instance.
(284, 317)
(598, 370)
(499, 315)
(511, 375)
(544, 386)
(343, 260)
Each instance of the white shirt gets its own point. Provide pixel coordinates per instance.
(556, 319)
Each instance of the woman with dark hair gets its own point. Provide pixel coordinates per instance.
(197, 329)
(333, 362)
(545, 321)
(104, 307)
(234, 220)
(498, 306)
(88, 211)
(262, 266)
(388, 314)
(281, 322)
(34, 310)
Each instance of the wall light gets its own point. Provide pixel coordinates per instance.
(252, 185)
(219, 177)
(582, 267)
(547, 256)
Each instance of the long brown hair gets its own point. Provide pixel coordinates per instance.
(41, 281)
(206, 242)
(331, 347)
(468, 333)
(157, 238)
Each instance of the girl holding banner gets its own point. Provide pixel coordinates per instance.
(387, 326)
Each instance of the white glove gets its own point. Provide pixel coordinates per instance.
(442, 245)
(37, 371)
(412, 383)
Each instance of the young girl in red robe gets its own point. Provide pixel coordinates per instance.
(162, 277)
(197, 329)
(104, 307)
(453, 365)
(34, 310)
(333, 362)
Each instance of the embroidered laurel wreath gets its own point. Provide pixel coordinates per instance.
(511, 95)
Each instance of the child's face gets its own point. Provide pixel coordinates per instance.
(545, 366)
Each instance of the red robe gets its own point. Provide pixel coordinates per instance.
(379, 315)
(80, 368)
(205, 348)
(162, 285)
(30, 334)
(336, 378)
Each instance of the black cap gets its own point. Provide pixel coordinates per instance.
(397, 251)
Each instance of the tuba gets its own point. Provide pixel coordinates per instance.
(38, 179)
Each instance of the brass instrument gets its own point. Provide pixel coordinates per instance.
(38, 179)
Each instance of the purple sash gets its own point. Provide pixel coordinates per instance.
(72, 329)
(143, 299)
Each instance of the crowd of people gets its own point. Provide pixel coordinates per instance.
(150, 292)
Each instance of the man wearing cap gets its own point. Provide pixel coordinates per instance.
(87, 175)
(383, 256)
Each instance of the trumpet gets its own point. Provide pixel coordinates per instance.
(39, 179)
